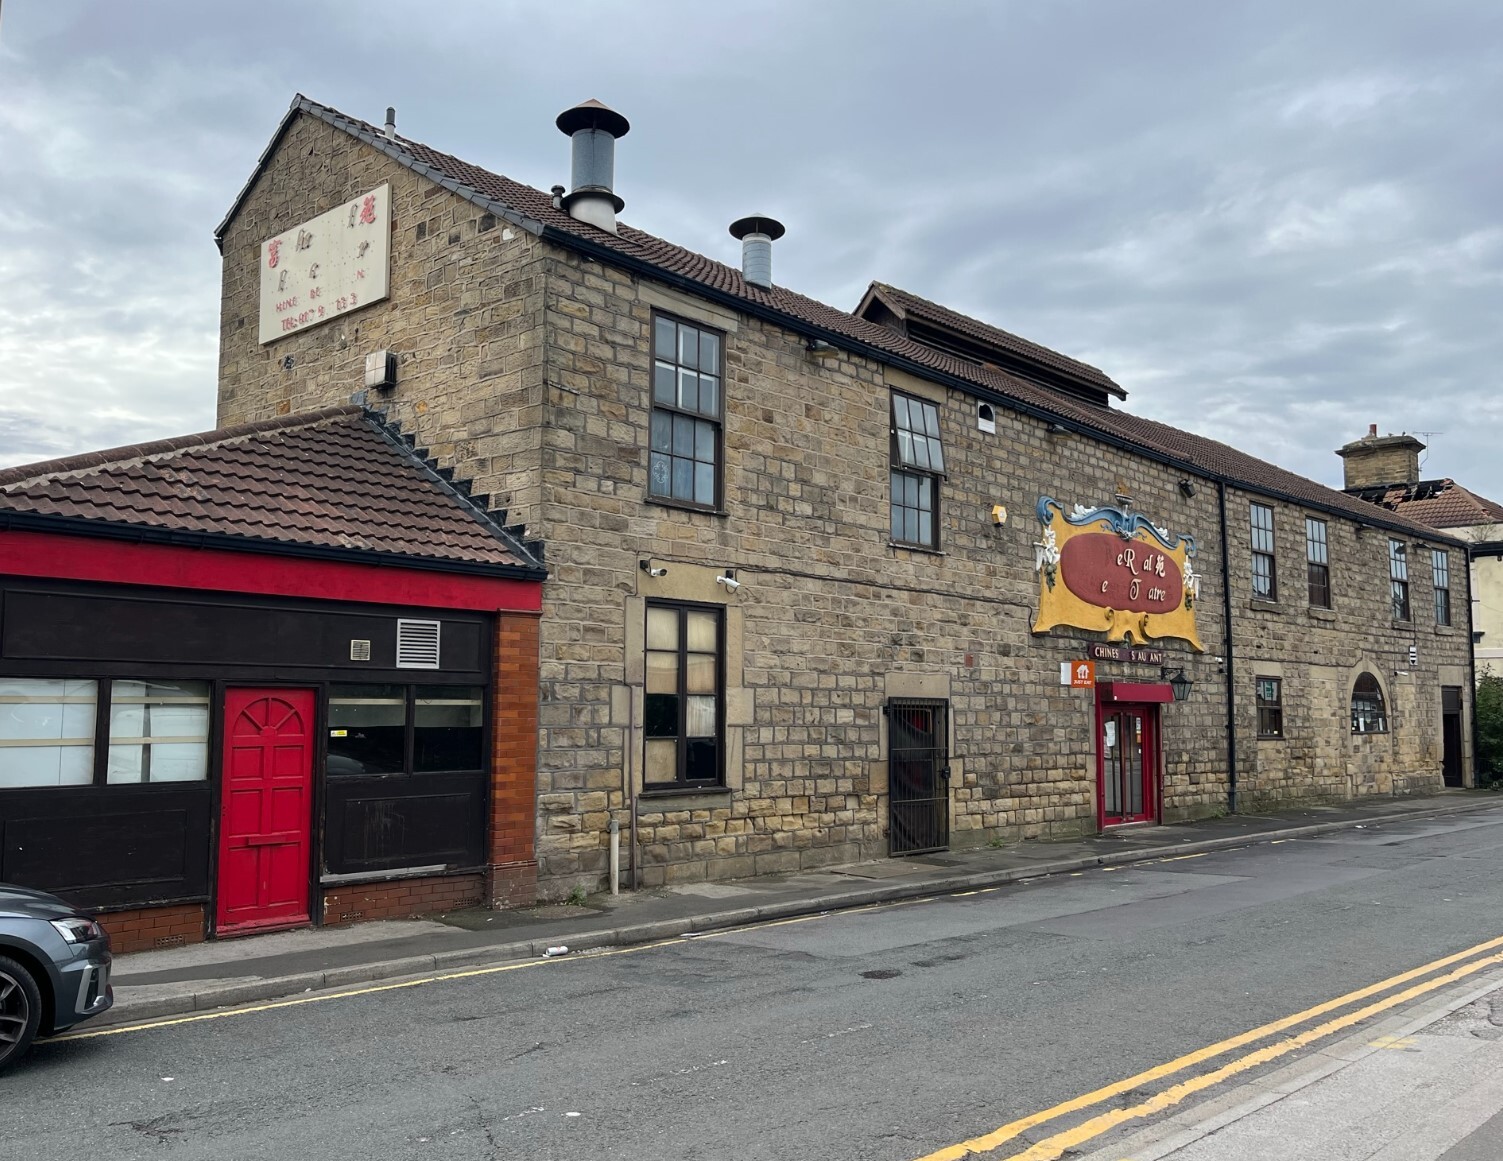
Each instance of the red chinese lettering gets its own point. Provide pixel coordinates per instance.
(273, 253)
(368, 210)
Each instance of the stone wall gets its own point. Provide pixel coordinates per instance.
(526, 368)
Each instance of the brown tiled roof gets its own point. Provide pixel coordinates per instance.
(909, 305)
(332, 480)
(533, 209)
(1435, 503)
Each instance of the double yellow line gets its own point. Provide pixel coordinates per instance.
(1053, 1147)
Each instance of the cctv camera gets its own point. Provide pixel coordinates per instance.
(730, 582)
(646, 566)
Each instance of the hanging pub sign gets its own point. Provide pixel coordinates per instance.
(1114, 571)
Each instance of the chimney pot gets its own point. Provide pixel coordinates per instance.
(1372, 431)
(593, 129)
(757, 234)
(390, 128)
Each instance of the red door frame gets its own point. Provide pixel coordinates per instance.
(263, 877)
(1152, 782)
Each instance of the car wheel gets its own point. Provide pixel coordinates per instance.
(20, 1010)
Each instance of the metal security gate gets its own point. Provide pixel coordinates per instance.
(918, 776)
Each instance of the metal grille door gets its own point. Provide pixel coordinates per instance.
(918, 776)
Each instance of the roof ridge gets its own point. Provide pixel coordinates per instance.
(135, 453)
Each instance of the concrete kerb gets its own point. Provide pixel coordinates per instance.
(280, 987)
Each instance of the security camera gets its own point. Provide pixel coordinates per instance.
(730, 582)
(646, 566)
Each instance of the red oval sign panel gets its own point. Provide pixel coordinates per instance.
(1103, 569)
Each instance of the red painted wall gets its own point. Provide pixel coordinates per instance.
(88, 558)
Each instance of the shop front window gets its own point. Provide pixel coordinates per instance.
(47, 731)
(403, 729)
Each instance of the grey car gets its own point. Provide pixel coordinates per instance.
(54, 968)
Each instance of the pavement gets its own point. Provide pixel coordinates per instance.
(205, 976)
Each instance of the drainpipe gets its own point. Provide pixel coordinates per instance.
(630, 766)
(1469, 703)
(1231, 673)
(615, 829)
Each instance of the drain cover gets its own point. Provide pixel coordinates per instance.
(881, 974)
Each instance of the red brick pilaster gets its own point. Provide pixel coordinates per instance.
(514, 752)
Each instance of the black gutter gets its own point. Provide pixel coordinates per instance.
(1231, 672)
(111, 530)
(646, 269)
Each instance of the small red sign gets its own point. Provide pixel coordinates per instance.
(1082, 675)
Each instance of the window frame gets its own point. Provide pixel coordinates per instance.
(1398, 580)
(101, 739)
(717, 421)
(1440, 576)
(1374, 702)
(680, 781)
(411, 692)
(1318, 562)
(900, 472)
(1270, 711)
(1263, 555)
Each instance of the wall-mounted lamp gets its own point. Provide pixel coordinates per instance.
(728, 579)
(1179, 684)
(646, 566)
(819, 349)
(1187, 488)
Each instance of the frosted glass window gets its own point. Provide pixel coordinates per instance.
(159, 731)
(47, 731)
(681, 710)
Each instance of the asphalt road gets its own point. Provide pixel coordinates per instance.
(879, 1035)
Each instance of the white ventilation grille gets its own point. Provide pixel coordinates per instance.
(417, 644)
(360, 650)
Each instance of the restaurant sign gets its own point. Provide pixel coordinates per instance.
(326, 267)
(1126, 653)
(1117, 572)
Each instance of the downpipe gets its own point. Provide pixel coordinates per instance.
(615, 830)
(1231, 672)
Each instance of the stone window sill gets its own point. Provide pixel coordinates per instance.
(684, 798)
(1445, 630)
(1265, 606)
(660, 502)
(1319, 614)
(919, 548)
(684, 792)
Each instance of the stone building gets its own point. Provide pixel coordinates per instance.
(824, 585)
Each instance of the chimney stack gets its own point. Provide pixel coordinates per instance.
(757, 234)
(1380, 459)
(390, 128)
(593, 129)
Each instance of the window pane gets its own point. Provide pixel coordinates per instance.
(662, 431)
(709, 352)
(141, 712)
(662, 761)
(665, 344)
(683, 436)
(662, 672)
(663, 377)
(662, 628)
(921, 453)
(709, 395)
(49, 725)
(703, 635)
(925, 528)
(448, 728)
(701, 675)
(900, 413)
(688, 390)
(905, 448)
(936, 456)
(704, 484)
(704, 442)
(660, 715)
(931, 419)
(699, 717)
(367, 729)
(688, 346)
(660, 475)
(126, 764)
(683, 479)
(703, 764)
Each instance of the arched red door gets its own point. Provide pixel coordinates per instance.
(266, 809)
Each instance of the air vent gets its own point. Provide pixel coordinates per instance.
(360, 650)
(417, 644)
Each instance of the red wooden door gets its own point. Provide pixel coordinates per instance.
(266, 809)
(1128, 763)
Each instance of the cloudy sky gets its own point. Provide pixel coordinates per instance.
(1272, 222)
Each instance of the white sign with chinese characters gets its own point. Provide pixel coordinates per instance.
(326, 267)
